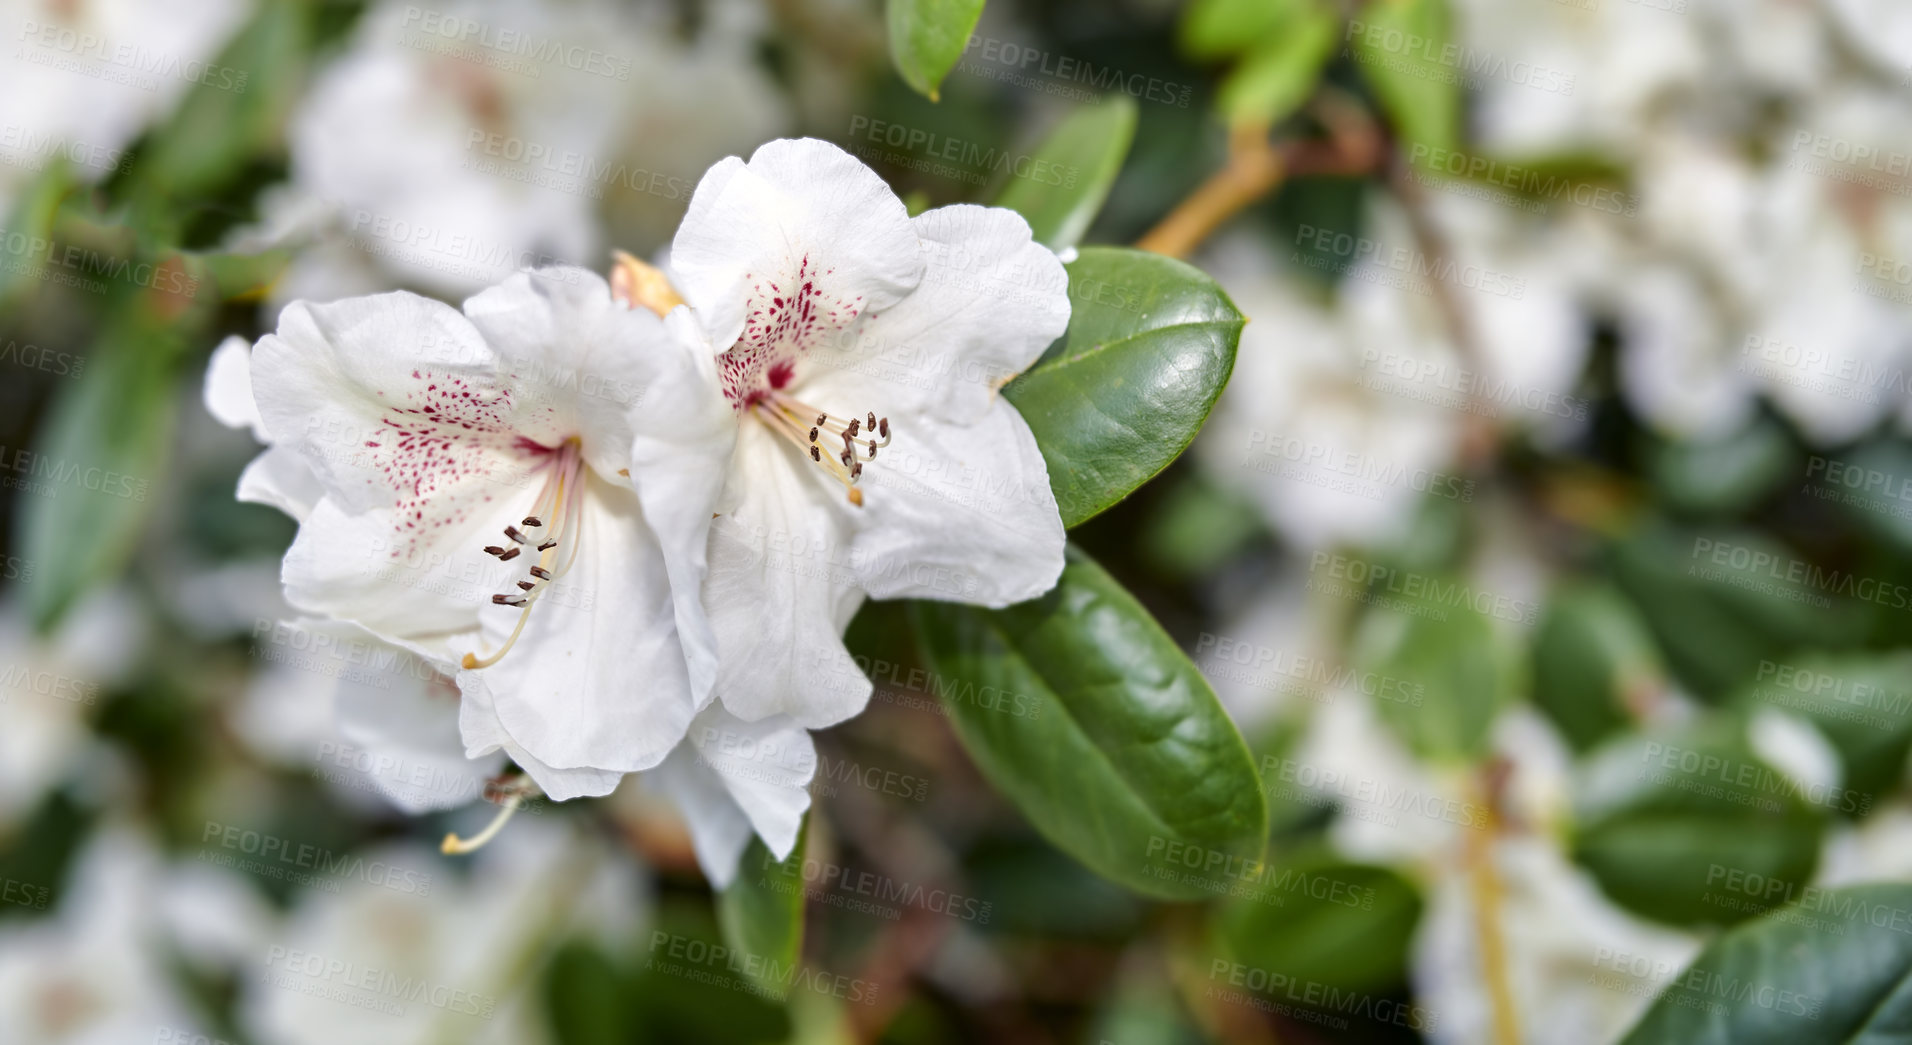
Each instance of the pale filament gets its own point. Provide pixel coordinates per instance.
(555, 516)
(837, 444)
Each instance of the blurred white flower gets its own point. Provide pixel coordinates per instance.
(84, 78)
(456, 143)
(95, 971)
(1572, 77)
(50, 687)
(1314, 425)
(802, 272)
(1580, 970)
(442, 958)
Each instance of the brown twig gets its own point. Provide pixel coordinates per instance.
(1257, 166)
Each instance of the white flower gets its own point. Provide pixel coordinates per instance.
(530, 477)
(95, 969)
(50, 686)
(1566, 77)
(83, 79)
(428, 955)
(1310, 426)
(841, 327)
(368, 717)
(1580, 970)
(416, 140)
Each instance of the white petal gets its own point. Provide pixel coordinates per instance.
(405, 720)
(647, 405)
(991, 300)
(394, 400)
(765, 766)
(782, 589)
(802, 219)
(484, 734)
(228, 391)
(719, 831)
(347, 567)
(597, 679)
(279, 478)
(961, 513)
(577, 359)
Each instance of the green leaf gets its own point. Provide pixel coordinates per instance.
(584, 992)
(238, 107)
(244, 277)
(1130, 765)
(1870, 485)
(101, 455)
(1592, 658)
(1221, 28)
(761, 914)
(1835, 968)
(1861, 703)
(1450, 668)
(1150, 344)
(1082, 157)
(32, 218)
(1710, 620)
(1321, 919)
(1666, 823)
(927, 38)
(1398, 45)
(1279, 75)
(1727, 475)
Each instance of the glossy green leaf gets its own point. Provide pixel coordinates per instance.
(1593, 661)
(1275, 78)
(1129, 763)
(1668, 822)
(927, 38)
(1398, 45)
(1861, 703)
(1449, 672)
(1072, 172)
(1150, 344)
(1835, 967)
(1321, 919)
(761, 914)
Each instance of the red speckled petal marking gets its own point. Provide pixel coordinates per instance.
(783, 317)
(438, 447)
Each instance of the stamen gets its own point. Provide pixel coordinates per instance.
(805, 425)
(565, 478)
(492, 549)
(456, 846)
